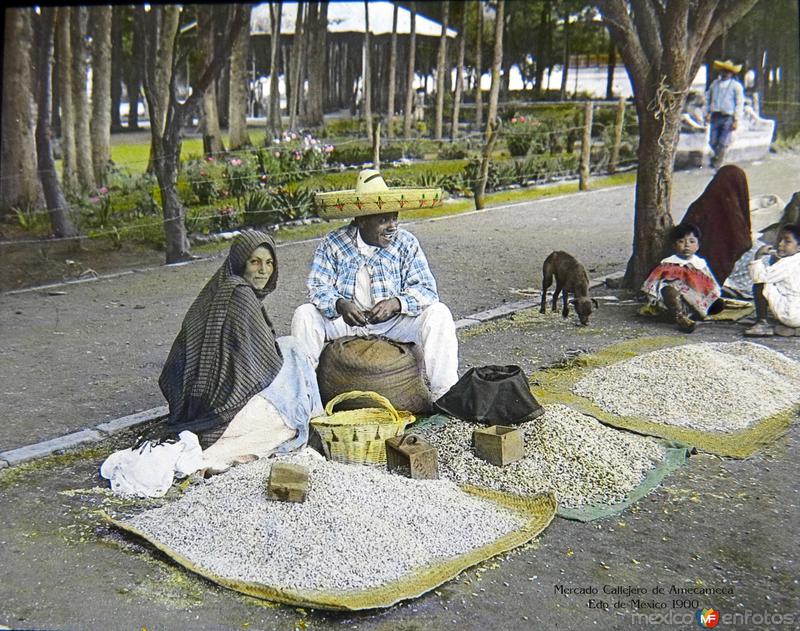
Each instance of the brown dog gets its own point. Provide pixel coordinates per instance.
(570, 278)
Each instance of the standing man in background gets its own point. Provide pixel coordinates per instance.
(725, 98)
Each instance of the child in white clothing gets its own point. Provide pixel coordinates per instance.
(776, 278)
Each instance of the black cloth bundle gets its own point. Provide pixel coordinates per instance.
(493, 395)
(226, 351)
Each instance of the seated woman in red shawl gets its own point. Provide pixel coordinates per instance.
(722, 214)
(682, 284)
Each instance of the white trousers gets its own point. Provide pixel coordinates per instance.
(433, 331)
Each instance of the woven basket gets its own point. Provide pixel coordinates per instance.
(359, 436)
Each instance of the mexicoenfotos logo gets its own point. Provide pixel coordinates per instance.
(707, 618)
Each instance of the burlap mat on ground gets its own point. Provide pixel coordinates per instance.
(538, 511)
(554, 385)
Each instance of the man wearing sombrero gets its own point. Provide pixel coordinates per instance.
(371, 277)
(725, 98)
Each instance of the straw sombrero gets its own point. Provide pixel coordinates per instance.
(371, 196)
(727, 65)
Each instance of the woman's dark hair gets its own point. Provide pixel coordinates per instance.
(682, 230)
(791, 228)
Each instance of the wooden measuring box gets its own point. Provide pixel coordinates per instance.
(498, 444)
(413, 457)
(287, 482)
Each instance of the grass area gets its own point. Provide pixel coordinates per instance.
(134, 156)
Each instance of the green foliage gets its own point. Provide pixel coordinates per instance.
(357, 153)
(472, 172)
(344, 127)
(31, 220)
(452, 151)
(272, 206)
(291, 158)
(238, 177)
(225, 219)
(202, 178)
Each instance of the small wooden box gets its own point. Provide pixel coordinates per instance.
(413, 457)
(498, 444)
(287, 482)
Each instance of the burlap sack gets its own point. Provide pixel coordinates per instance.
(373, 363)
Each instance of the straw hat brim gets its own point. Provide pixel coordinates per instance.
(727, 65)
(349, 203)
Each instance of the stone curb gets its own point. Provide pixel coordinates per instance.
(108, 428)
(50, 447)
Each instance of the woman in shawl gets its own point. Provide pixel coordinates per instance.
(228, 381)
(227, 378)
(722, 213)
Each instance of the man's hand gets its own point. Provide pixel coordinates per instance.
(384, 310)
(351, 314)
(734, 125)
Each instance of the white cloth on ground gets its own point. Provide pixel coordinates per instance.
(149, 470)
(433, 331)
(781, 282)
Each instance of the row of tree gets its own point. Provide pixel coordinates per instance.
(178, 55)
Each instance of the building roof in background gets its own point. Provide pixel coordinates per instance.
(349, 17)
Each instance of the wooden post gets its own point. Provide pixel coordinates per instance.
(483, 175)
(618, 125)
(376, 147)
(583, 182)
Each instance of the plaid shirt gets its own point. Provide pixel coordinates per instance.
(399, 270)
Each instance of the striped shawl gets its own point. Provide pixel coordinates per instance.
(225, 352)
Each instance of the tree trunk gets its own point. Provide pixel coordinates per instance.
(497, 63)
(441, 69)
(296, 64)
(19, 184)
(101, 91)
(612, 64)
(116, 67)
(237, 103)
(317, 64)
(462, 39)
(653, 218)
(390, 88)
(410, 67)
(134, 78)
(213, 143)
(479, 66)
(160, 28)
(275, 10)
(366, 74)
(541, 38)
(565, 59)
(57, 204)
(69, 151)
(164, 21)
(80, 97)
(158, 24)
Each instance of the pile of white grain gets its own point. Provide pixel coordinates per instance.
(358, 528)
(573, 455)
(720, 387)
